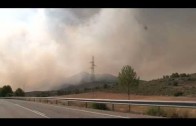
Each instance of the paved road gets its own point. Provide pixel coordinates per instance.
(26, 109)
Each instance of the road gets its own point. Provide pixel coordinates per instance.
(10, 108)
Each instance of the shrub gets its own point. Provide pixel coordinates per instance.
(169, 83)
(189, 79)
(177, 113)
(175, 83)
(76, 91)
(86, 89)
(156, 111)
(101, 106)
(97, 87)
(179, 93)
(105, 86)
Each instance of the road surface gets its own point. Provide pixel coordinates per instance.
(10, 108)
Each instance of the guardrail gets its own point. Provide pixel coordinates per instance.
(178, 104)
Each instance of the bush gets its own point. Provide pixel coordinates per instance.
(156, 111)
(61, 92)
(189, 79)
(86, 89)
(179, 93)
(175, 83)
(101, 106)
(76, 91)
(97, 87)
(105, 86)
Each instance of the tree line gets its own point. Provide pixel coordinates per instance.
(127, 79)
(176, 75)
(6, 91)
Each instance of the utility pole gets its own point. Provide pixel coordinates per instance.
(92, 71)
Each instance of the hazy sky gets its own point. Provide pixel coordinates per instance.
(39, 48)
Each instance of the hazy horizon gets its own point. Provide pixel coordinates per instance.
(40, 48)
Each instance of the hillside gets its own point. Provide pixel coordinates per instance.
(83, 80)
(170, 85)
(182, 85)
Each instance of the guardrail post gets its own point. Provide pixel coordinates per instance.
(86, 105)
(129, 108)
(56, 101)
(112, 107)
(158, 107)
(68, 103)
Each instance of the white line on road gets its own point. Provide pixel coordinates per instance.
(34, 111)
(72, 109)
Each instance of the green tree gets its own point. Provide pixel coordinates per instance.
(128, 79)
(105, 86)
(184, 75)
(0, 92)
(175, 75)
(6, 91)
(19, 92)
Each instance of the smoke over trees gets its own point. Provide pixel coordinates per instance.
(40, 48)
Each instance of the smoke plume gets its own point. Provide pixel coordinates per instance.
(40, 48)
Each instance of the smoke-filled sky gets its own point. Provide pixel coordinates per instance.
(40, 48)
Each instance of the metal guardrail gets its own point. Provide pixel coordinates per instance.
(178, 104)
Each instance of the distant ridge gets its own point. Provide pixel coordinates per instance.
(85, 78)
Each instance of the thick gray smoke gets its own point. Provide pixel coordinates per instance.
(40, 48)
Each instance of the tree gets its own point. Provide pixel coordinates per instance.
(6, 91)
(184, 75)
(105, 86)
(128, 78)
(166, 77)
(0, 92)
(175, 75)
(19, 92)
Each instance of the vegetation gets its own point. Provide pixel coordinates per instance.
(175, 83)
(179, 93)
(19, 92)
(168, 112)
(169, 85)
(175, 75)
(6, 91)
(128, 78)
(156, 111)
(105, 86)
(101, 106)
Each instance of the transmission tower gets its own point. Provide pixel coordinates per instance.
(92, 69)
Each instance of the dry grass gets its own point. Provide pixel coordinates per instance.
(105, 95)
(170, 112)
(178, 112)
